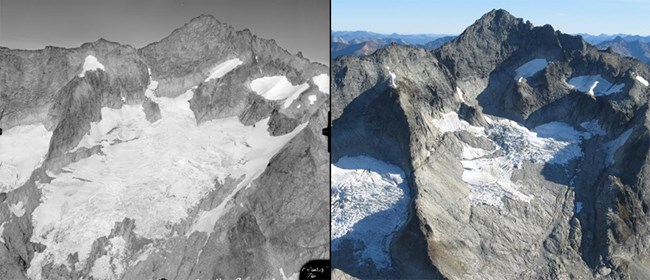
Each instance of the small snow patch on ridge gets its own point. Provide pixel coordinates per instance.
(91, 64)
(312, 99)
(392, 79)
(642, 80)
(529, 68)
(223, 68)
(460, 94)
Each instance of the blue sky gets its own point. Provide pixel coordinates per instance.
(452, 17)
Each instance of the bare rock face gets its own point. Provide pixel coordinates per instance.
(573, 212)
(260, 213)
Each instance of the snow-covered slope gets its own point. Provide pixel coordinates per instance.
(278, 88)
(22, 149)
(151, 172)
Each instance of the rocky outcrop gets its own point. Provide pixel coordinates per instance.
(584, 218)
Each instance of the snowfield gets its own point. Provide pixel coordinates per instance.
(488, 175)
(91, 64)
(22, 149)
(151, 172)
(612, 147)
(450, 122)
(642, 80)
(594, 85)
(223, 68)
(322, 81)
(369, 204)
(529, 68)
(278, 88)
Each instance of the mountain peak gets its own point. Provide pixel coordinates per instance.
(499, 19)
(204, 18)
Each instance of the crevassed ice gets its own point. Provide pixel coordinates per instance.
(22, 149)
(529, 68)
(488, 176)
(369, 204)
(154, 175)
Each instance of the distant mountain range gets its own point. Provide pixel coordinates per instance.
(412, 39)
(597, 39)
(356, 43)
(637, 49)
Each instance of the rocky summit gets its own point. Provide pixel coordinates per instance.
(196, 157)
(525, 151)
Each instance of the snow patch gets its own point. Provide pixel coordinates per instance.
(594, 85)
(459, 93)
(223, 68)
(312, 99)
(2, 231)
(579, 206)
(611, 147)
(133, 178)
(322, 81)
(642, 80)
(17, 209)
(22, 149)
(450, 122)
(369, 204)
(392, 79)
(593, 127)
(529, 68)
(91, 64)
(278, 88)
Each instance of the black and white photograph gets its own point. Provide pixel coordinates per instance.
(163, 139)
